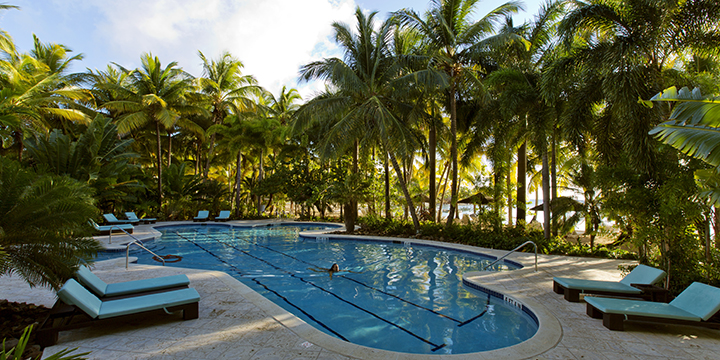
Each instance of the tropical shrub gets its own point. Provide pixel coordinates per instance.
(44, 228)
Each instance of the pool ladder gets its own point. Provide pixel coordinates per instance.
(137, 242)
(512, 251)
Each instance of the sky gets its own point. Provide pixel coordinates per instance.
(272, 38)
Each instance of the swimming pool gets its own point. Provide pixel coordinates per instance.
(390, 295)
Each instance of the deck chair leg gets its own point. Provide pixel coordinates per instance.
(614, 321)
(593, 312)
(572, 295)
(47, 337)
(191, 311)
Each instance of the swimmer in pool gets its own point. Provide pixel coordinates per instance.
(333, 269)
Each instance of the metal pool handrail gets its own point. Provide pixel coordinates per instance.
(512, 251)
(137, 242)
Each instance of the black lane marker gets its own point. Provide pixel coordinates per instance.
(435, 346)
(476, 317)
(266, 288)
(351, 279)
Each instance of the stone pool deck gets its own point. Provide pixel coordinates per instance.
(237, 323)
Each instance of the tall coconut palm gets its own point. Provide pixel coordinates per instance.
(226, 90)
(363, 99)
(626, 50)
(152, 95)
(31, 94)
(454, 43)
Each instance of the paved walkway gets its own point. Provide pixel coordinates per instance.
(237, 323)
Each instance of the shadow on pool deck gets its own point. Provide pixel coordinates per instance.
(233, 326)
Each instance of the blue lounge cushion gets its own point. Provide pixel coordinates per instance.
(597, 285)
(643, 274)
(101, 288)
(202, 214)
(640, 308)
(150, 302)
(224, 214)
(700, 299)
(73, 293)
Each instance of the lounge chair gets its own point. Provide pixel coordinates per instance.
(642, 274)
(132, 217)
(78, 307)
(105, 290)
(694, 306)
(223, 216)
(202, 215)
(112, 220)
(107, 229)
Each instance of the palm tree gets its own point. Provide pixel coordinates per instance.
(151, 95)
(625, 50)
(454, 43)
(363, 101)
(226, 91)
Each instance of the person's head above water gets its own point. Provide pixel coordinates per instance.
(335, 268)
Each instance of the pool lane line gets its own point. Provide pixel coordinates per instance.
(478, 316)
(234, 268)
(353, 280)
(436, 347)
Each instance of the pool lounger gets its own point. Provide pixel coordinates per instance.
(642, 274)
(202, 215)
(132, 217)
(112, 220)
(223, 216)
(105, 290)
(696, 305)
(77, 307)
(106, 229)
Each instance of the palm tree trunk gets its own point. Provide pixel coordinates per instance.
(159, 163)
(169, 149)
(403, 185)
(206, 170)
(554, 178)
(444, 187)
(453, 152)
(388, 214)
(521, 184)
(431, 164)
(238, 180)
(546, 193)
(261, 171)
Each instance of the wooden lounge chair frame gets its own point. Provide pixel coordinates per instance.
(617, 321)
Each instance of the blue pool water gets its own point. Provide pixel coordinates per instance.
(388, 295)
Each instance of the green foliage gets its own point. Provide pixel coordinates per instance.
(16, 352)
(98, 157)
(505, 238)
(44, 225)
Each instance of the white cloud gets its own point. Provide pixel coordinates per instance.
(273, 38)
